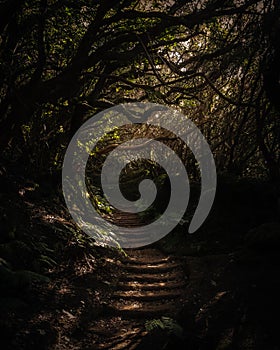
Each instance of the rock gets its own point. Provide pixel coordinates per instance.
(16, 252)
(14, 282)
(264, 237)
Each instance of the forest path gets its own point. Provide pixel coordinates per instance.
(151, 285)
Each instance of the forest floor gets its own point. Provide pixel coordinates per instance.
(198, 295)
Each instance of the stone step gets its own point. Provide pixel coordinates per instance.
(151, 268)
(149, 295)
(132, 285)
(160, 277)
(144, 309)
(157, 260)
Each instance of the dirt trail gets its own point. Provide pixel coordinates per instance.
(151, 285)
